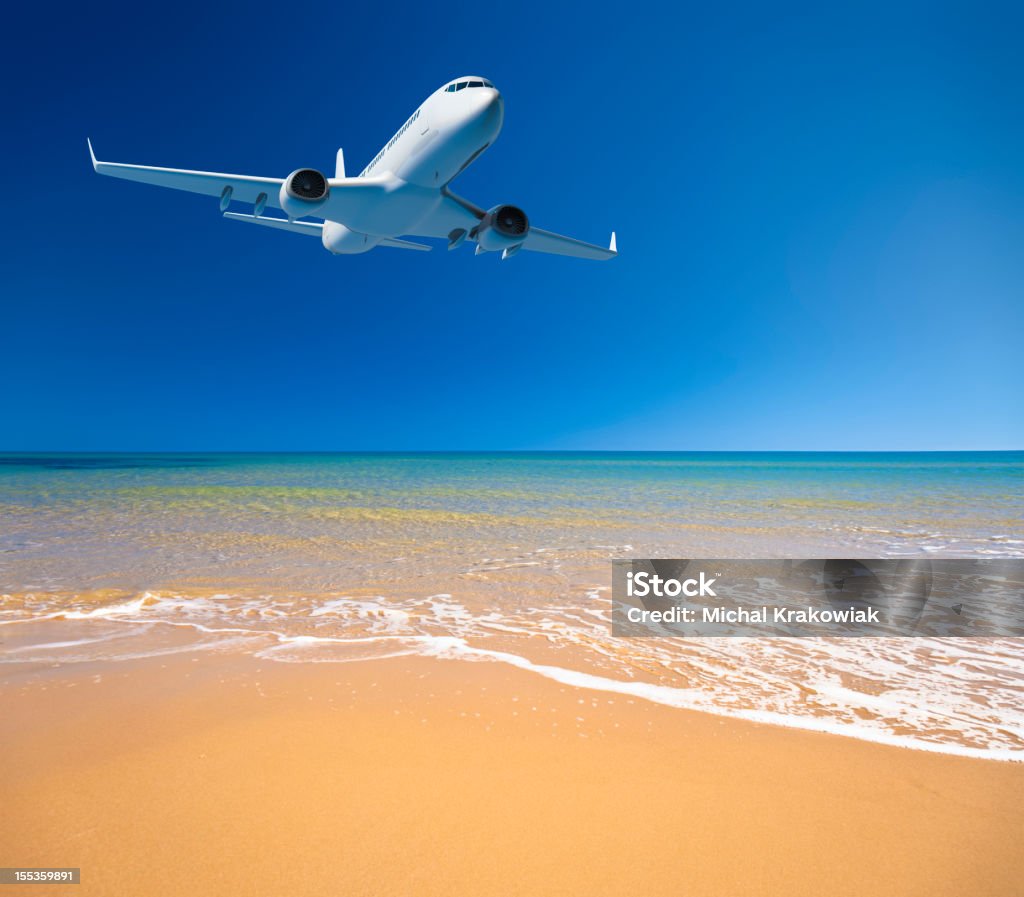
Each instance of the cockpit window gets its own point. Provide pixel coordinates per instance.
(451, 88)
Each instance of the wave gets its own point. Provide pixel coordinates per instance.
(953, 696)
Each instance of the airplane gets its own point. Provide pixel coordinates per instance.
(403, 191)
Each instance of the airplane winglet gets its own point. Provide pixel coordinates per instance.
(611, 246)
(92, 155)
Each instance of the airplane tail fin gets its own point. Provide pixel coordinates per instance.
(339, 165)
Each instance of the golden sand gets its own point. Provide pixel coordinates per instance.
(227, 775)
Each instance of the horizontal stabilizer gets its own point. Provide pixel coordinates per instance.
(310, 228)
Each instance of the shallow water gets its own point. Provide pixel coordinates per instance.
(506, 558)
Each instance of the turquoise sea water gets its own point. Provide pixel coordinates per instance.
(58, 513)
(506, 558)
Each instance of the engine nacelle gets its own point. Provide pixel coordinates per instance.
(501, 228)
(303, 192)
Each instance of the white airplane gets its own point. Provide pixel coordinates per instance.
(402, 192)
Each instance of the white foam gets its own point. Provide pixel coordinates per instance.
(953, 696)
(53, 646)
(110, 610)
(378, 613)
(687, 700)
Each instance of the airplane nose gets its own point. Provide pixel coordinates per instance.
(483, 99)
(488, 108)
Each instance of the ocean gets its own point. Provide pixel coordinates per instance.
(506, 558)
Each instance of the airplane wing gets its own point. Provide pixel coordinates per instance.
(457, 214)
(348, 196)
(243, 187)
(310, 228)
(454, 213)
(538, 240)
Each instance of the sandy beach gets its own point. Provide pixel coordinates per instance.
(224, 774)
(385, 675)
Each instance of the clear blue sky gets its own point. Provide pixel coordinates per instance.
(820, 216)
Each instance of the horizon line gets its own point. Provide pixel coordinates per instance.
(483, 451)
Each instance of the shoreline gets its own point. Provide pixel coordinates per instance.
(179, 639)
(228, 773)
(167, 639)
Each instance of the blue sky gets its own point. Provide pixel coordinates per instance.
(820, 216)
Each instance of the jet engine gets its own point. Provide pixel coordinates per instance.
(303, 192)
(503, 227)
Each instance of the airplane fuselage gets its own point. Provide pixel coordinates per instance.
(441, 138)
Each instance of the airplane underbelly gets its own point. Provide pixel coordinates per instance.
(397, 212)
(342, 240)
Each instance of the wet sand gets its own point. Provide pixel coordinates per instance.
(224, 774)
